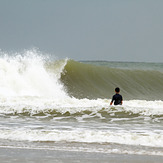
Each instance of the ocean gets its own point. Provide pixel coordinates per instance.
(64, 105)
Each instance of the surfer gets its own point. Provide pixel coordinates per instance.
(117, 98)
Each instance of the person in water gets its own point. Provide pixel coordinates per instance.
(117, 98)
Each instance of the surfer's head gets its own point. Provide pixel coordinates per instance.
(117, 90)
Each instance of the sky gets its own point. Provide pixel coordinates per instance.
(112, 30)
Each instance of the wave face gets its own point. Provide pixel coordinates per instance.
(92, 81)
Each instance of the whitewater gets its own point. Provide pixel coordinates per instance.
(62, 104)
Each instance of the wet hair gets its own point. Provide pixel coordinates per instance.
(117, 89)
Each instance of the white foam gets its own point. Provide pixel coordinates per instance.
(25, 75)
(147, 138)
(144, 107)
(65, 104)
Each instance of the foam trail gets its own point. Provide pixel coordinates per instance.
(86, 136)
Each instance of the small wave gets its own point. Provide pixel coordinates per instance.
(84, 136)
(42, 106)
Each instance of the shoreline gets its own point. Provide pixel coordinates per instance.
(19, 155)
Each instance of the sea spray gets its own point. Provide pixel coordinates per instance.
(26, 75)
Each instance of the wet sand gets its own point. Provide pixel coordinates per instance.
(17, 155)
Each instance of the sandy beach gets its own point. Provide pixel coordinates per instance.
(17, 155)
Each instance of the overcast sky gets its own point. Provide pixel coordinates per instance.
(113, 30)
